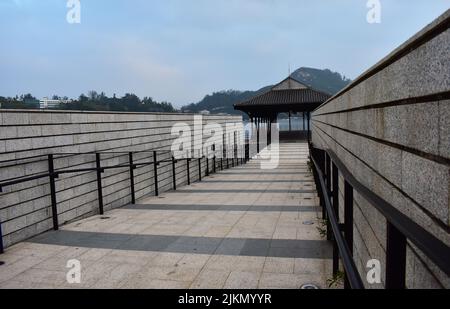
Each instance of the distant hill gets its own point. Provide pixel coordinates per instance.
(324, 80)
(223, 101)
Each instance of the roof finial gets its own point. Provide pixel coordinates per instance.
(289, 69)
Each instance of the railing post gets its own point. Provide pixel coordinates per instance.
(214, 163)
(200, 169)
(328, 173)
(221, 163)
(335, 177)
(174, 175)
(395, 258)
(322, 194)
(99, 183)
(328, 189)
(133, 195)
(155, 172)
(51, 171)
(348, 221)
(1, 241)
(188, 161)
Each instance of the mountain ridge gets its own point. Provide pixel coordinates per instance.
(221, 102)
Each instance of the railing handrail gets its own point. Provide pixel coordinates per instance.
(435, 249)
(93, 153)
(431, 246)
(238, 157)
(347, 260)
(57, 172)
(18, 180)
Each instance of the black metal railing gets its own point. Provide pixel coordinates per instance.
(53, 174)
(326, 168)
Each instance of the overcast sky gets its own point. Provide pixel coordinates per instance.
(181, 50)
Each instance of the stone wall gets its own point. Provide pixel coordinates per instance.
(27, 137)
(391, 128)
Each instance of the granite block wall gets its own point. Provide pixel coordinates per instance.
(391, 129)
(27, 137)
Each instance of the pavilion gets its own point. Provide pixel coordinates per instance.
(289, 96)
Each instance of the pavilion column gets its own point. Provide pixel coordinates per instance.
(290, 126)
(251, 129)
(257, 134)
(303, 120)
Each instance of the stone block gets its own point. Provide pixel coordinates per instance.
(427, 183)
(8, 132)
(28, 131)
(61, 118)
(63, 140)
(40, 118)
(415, 126)
(388, 162)
(19, 144)
(79, 118)
(42, 142)
(444, 129)
(15, 118)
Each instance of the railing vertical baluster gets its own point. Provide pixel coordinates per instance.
(214, 163)
(51, 171)
(335, 192)
(99, 183)
(174, 174)
(395, 258)
(207, 165)
(188, 161)
(133, 195)
(221, 163)
(348, 221)
(155, 172)
(200, 169)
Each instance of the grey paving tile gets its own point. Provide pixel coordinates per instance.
(240, 228)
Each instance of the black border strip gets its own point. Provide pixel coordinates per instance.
(426, 155)
(436, 97)
(441, 224)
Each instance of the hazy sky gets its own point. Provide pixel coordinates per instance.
(181, 50)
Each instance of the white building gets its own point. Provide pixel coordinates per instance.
(46, 103)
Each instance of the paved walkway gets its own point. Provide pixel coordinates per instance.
(240, 228)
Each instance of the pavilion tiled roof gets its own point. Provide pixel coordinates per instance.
(288, 91)
(291, 96)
